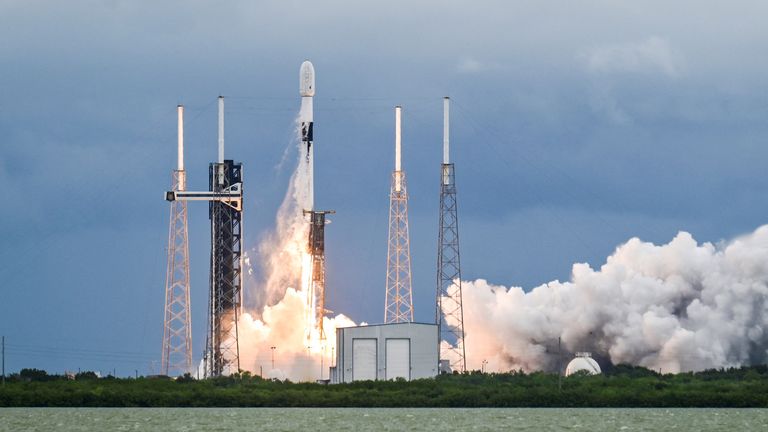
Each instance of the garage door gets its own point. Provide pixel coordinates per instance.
(363, 359)
(398, 358)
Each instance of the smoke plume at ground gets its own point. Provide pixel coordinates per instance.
(283, 326)
(677, 307)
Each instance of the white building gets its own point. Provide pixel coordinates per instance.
(385, 352)
(583, 362)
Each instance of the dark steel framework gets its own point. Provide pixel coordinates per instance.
(449, 314)
(222, 356)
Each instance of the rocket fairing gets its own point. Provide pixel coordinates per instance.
(307, 91)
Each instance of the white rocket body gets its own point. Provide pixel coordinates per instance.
(306, 118)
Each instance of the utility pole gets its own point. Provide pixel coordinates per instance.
(3, 360)
(559, 367)
(273, 356)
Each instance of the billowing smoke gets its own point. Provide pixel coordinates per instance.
(280, 252)
(681, 306)
(283, 326)
(279, 318)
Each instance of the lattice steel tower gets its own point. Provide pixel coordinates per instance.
(225, 207)
(177, 327)
(226, 275)
(449, 313)
(398, 306)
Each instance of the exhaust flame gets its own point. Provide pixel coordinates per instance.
(676, 307)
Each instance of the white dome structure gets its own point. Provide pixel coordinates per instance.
(583, 362)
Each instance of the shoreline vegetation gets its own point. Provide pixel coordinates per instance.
(621, 386)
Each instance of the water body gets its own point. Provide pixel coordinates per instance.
(379, 419)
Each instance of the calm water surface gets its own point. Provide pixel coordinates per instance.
(378, 419)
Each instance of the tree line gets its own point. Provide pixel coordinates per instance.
(622, 386)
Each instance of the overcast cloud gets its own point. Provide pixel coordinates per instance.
(576, 125)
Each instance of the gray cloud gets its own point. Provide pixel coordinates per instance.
(653, 55)
(661, 134)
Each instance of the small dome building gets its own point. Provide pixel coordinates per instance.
(583, 362)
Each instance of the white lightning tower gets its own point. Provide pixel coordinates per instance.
(398, 305)
(177, 328)
(449, 312)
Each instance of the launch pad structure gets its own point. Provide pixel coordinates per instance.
(222, 353)
(225, 208)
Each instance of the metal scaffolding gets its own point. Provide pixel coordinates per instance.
(222, 355)
(398, 306)
(449, 313)
(399, 302)
(225, 208)
(177, 328)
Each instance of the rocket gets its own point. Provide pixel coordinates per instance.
(307, 92)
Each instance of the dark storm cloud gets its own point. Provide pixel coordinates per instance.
(576, 126)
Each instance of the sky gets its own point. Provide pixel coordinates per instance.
(575, 126)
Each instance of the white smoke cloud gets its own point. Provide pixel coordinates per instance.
(283, 326)
(676, 307)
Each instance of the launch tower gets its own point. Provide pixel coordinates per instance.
(449, 313)
(177, 327)
(398, 306)
(226, 272)
(225, 198)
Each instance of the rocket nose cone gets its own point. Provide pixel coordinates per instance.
(307, 79)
